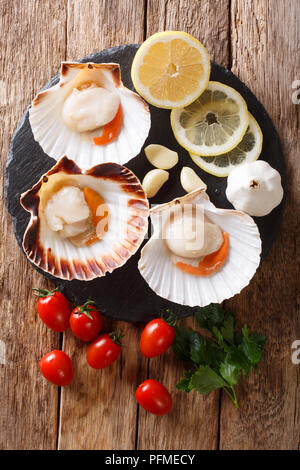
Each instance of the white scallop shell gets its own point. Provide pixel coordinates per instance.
(56, 139)
(170, 282)
(128, 222)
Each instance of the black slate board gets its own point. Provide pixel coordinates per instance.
(124, 294)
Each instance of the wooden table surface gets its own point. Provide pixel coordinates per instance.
(259, 41)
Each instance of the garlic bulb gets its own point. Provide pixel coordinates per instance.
(254, 188)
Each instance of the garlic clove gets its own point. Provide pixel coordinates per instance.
(153, 181)
(190, 180)
(161, 157)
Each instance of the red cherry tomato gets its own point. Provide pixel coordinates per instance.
(57, 367)
(154, 397)
(86, 322)
(104, 350)
(156, 338)
(53, 308)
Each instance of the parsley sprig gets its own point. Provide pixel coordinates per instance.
(220, 360)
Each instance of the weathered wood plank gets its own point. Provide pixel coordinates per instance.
(265, 55)
(207, 20)
(99, 410)
(93, 26)
(193, 423)
(32, 42)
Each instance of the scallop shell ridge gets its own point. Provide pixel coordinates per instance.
(169, 282)
(56, 139)
(128, 224)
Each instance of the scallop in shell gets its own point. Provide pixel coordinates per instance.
(158, 266)
(57, 238)
(67, 117)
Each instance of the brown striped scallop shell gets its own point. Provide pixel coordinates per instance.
(128, 223)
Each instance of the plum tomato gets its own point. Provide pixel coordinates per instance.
(157, 337)
(86, 321)
(57, 368)
(105, 349)
(154, 397)
(53, 308)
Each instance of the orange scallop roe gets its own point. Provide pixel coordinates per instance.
(211, 263)
(111, 130)
(99, 213)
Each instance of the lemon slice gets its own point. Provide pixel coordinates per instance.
(214, 123)
(170, 69)
(248, 150)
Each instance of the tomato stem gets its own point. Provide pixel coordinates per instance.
(171, 319)
(44, 292)
(86, 308)
(116, 336)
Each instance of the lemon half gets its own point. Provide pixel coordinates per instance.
(214, 123)
(248, 150)
(170, 69)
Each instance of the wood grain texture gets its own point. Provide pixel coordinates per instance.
(98, 410)
(96, 25)
(106, 417)
(184, 428)
(260, 39)
(206, 20)
(32, 41)
(265, 55)
(193, 421)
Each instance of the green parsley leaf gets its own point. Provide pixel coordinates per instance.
(210, 316)
(219, 361)
(184, 383)
(238, 359)
(251, 349)
(198, 351)
(206, 379)
(217, 354)
(230, 373)
(238, 337)
(181, 343)
(258, 338)
(220, 339)
(228, 329)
